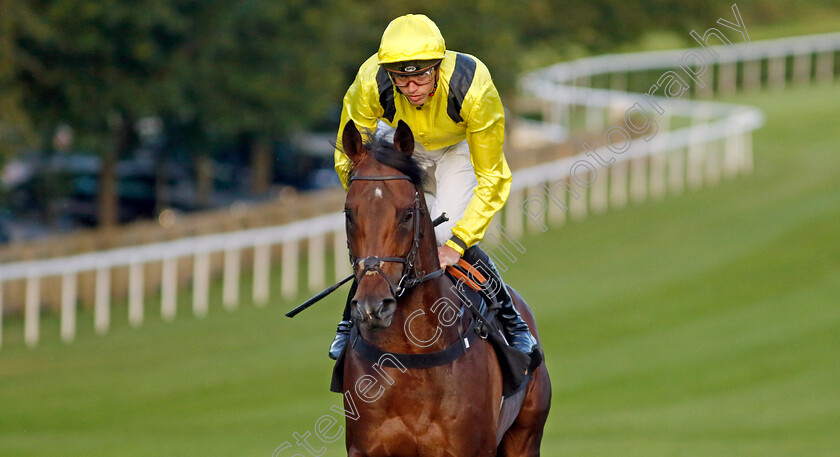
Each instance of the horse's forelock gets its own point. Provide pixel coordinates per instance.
(383, 151)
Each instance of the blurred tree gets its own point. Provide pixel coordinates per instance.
(15, 127)
(96, 65)
(569, 28)
(255, 69)
(260, 69)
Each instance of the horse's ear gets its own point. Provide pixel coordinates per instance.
(351, 141)
(404, 139)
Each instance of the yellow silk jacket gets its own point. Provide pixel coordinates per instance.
(465, 104)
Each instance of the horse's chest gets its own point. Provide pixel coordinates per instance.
(395, 438)
(413, 425)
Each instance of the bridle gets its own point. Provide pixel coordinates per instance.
(411, 277)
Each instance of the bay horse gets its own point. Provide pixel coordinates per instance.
(453, 409)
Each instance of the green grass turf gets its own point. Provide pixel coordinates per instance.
(701, 325)
(707, 324)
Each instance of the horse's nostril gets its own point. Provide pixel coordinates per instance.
(377, 311)
(387, 304)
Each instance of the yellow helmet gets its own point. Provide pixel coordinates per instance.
(410, 43)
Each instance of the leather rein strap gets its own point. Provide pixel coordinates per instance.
(466, 273)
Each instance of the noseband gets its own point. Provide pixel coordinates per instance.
(410, 277)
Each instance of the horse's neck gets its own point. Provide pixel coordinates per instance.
(419, 323)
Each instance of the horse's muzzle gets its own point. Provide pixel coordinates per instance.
(374, 312)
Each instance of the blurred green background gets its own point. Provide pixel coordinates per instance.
(216, 91)
(705, 324)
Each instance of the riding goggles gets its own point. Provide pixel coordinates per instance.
(402, 79)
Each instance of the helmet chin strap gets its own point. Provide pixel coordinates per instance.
(432, 93)
(437, 76)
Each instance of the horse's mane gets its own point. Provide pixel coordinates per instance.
(384, 152)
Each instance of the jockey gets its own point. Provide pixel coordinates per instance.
(452, 106)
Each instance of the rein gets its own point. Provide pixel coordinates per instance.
(316, 298)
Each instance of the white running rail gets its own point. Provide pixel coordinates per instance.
(715, 143)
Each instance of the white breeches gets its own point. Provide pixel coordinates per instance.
(451, 183)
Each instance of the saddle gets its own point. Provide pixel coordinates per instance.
(477, 320)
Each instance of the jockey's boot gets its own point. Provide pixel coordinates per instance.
(516, 330)
(342, 333)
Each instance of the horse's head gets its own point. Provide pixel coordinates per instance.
(386, 217)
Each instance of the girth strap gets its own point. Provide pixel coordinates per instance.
(425, 360)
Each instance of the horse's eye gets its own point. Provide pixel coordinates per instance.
(348, 217)
(408, 215)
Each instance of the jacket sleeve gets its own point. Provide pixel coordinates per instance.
(485, 136)
(361, 104)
